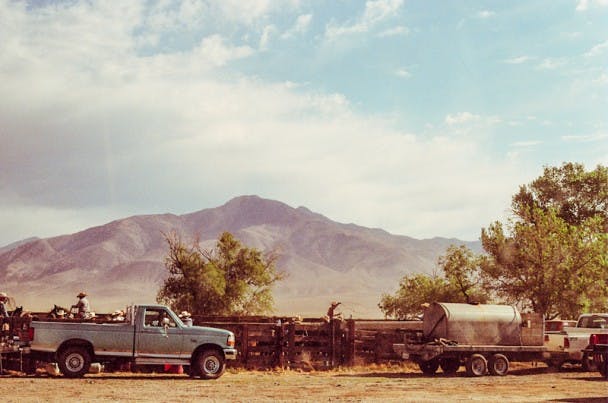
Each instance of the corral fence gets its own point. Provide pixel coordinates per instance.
(282, 342)
(266, 342)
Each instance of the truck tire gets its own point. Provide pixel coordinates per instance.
(429, 367)
(498, 365)
(587, 363)
(210, 364)
(476, 365)
(74, 361)
(450, 365)
(600, 360)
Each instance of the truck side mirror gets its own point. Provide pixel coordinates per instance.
(165, 324)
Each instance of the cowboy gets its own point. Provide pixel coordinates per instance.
(4, 317)
(186, 318)
(3, 300)
(82, 305)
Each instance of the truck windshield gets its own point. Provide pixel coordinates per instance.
(594, 322)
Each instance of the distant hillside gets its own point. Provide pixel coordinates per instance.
(122, 262)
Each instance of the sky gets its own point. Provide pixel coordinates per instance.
(422, 118)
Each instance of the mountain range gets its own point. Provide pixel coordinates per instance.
(122, 262)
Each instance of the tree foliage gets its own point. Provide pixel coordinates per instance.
(573, 193)
(552, 254)
(459, 283)
(228, 280)
(548, 265)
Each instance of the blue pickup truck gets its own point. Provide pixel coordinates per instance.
(149, 335)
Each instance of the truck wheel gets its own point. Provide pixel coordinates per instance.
(74, 362)
(498, 365)
(476, 365)
(603, 366)
(210, 364)
(587, 363)
(450, 365)
(429, 367)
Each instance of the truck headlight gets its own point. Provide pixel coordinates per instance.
(230, 341)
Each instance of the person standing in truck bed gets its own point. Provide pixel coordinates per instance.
(3, 311)
(83, 306)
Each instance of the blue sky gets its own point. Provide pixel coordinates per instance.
(418, 117)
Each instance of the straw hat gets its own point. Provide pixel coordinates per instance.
(81, 294)
(185, 314)
(3, 295)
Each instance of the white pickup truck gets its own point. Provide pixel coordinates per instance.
(150, 335)
(567, 346)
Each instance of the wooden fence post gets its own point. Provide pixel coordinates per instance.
(280, 346)
(350, 348)
(245, 343)
(291, 343)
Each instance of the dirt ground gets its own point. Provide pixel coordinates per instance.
(524, 383)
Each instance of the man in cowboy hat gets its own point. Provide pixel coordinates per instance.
(4, 318)
(3, 299)
(82, 305)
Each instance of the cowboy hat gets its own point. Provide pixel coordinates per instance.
(3, 295)
(81, 294)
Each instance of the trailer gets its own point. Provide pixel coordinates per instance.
(483, 338)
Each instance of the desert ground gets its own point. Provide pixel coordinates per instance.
(524, 383)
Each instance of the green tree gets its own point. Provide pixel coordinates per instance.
(458, 284)
(228, 280)
(461, 268)
(414, 291)
(552, 256)
(575, 194)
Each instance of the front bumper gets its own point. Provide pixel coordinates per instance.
(230, 353)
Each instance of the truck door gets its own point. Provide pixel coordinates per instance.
(160, 336)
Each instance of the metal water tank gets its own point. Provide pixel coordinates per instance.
(475, 324)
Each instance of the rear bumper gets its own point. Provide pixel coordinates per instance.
(230, 353)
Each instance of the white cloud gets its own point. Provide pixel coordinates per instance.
(302, 23)
(526, 144)
(602, 79)
(461, 118)
(518, 60)
(485, 14)
(379, 10)
(395, 31)
(550, 64)
(376, 11)
(586, 138)
(301, 26)
(267, 33)
(584, 5)
(598, 49)
(215, 49)
(403, 73)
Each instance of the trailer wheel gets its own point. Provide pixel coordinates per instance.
(209, 364)
(429, 367)
(74, 362)
(498, 365)
(450, 365)
(476, 365)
